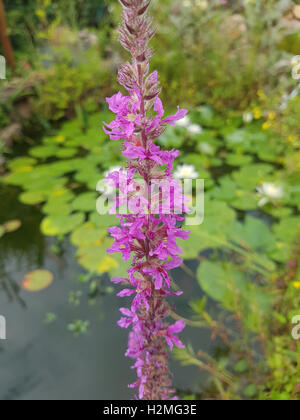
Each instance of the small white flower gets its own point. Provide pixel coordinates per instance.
(202, 4)
(187, 3)
(186, 172)
(247, 117)
(184, 122)
(269, 192)
(295, 60)
(195, 129)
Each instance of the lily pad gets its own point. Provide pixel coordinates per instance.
(12, 225)
(254, 233)
(103, 220)
(94, 258)
(34, 197)
(220, 283)
(88, 234)
(43, 151)
(57, 208)
(85, 202)
(238, 160)
(244, 200)
(213, 232)
(66, 152)
(21, 163)
(249, 176)
(61, 225)
(37, 280)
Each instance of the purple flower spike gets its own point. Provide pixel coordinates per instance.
(148, 236)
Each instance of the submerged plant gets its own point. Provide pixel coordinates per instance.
(149, 231)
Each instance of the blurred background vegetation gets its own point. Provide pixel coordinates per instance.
(230, 63)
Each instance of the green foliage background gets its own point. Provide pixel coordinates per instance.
(224, 63)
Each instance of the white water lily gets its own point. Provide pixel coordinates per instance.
(247, 117)
(194, 129)
(295, 61)
(269, 192)
(186, 172)
(201, 4)
(184, 122)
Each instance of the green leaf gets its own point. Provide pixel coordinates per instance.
(241, 366)
(103, 220)
(254, 233)
(288, 229)
(226, 190)
(34, 197)
(220, 284)
(217, 225)
(43, 151)
(238, 160)
(12, 225)
(121, 269)
(85, 202)
(250, 391)
(88, 234)
(61, 225)
(95, 258)
(66, 152)
(37, 280)
(250, 176)
(21, 162)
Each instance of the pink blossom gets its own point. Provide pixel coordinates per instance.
(148, 235)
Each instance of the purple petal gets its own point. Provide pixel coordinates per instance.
(177, 327)
(126, 292)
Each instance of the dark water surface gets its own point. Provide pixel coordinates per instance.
(45, 361)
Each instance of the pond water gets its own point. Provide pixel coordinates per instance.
(41, 361)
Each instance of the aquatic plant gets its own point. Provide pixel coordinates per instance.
(149, 232)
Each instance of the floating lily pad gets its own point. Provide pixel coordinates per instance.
(287, 230)
(66, 152)
(21, 163)
(220, 283)
(43, 151)
(85, 202)
(121, 269)
(238, 160)
(57, 208)
(213, 232)
(244, 200)
(61, 225)
(61, 195)
(37, 280)
(12, 225)
(254, 233)
(34, 197)
(88, 234)
(250, 176)
(103, 220)
(226, 191)
(94, 258)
